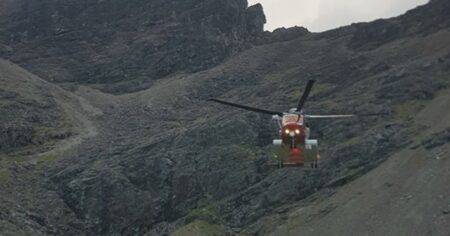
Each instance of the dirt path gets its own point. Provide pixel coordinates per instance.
(82, 113)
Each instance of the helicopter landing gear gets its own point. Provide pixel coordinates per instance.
(280, 164)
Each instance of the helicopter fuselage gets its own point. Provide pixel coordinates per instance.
(293, 130)
(294, 137)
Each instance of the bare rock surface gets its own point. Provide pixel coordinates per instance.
(144, 153)
(126, 45)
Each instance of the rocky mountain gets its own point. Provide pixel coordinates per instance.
(126, 44)
(105, 121)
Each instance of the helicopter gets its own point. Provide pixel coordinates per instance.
(293, 131)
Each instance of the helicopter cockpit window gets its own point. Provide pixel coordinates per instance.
(289, 119)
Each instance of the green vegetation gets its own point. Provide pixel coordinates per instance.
(352, 141)
(200, 228)
(328, 105)
(407, 110)
(47, 160)
(246, 151)
(278, 153)
(320, 88)
(5, 176)
(41, 132)
(207, 213)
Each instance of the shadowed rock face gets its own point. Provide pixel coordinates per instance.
(163, 156)
(126, 43)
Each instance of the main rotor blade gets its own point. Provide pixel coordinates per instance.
(374, 114)
(305, 95)
(328, 116)
(343, 116)
(247, 107)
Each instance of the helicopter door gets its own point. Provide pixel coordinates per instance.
(311, 150)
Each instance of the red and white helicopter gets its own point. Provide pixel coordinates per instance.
(294, 134)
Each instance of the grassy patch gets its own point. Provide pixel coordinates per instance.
(207, 214)
(200, 228)
(247, 151)
(278, 153)
(407, 110)
(5, 176)
(282, 76)
(47, 160)
(329, 105)
(352, 141)
(41, 132)
(320, 88)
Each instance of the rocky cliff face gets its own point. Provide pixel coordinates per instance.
(162, 159)
(126, 44)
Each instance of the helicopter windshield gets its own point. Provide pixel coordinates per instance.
(292, 118)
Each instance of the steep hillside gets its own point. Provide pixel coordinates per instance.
(35, 113)
(27, 109)
(406, 195)
(126, 43)
(164, 160)
(39, 122)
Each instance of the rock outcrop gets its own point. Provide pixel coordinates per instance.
(29, 112)
(126, 44)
